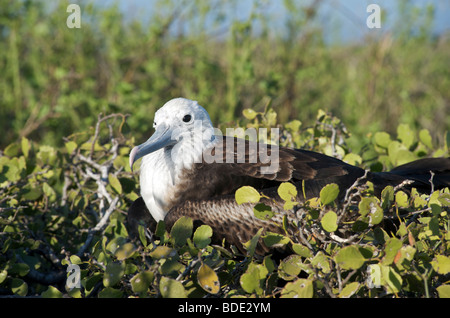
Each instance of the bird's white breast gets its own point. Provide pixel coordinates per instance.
(157, 182)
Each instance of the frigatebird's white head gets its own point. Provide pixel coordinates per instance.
(183, 130)
(180, 120)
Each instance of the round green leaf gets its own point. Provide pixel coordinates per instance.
(52, 292)
(263, 212)
(443, 291)
(329, 221)
(182, 230)
(125, 251)
(301, 250)
(441, 264)
(425, 138)
(141, 281)
(202, 236)
(382, 139)
(301, 288)
(208, 279)
(271, 239)
(349, 290)
(251, 281)
(249, 113)
(247, 194)
(113, 274)
(171, 288)
(391, 249)
(406, 135)
(110, 292)
(401, 198)
(349, 258)
(370, 208)
(329, 193)
(19, 287)
(290, 267)
(287, 191)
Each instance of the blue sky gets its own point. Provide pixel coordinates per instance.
(342, 20)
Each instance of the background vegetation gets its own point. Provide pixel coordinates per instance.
(55, 80)
(74, 102)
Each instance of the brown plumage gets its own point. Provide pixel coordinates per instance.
(206, 192)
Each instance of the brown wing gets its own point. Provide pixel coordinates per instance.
(236, 167)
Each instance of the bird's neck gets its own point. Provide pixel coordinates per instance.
(161, 171)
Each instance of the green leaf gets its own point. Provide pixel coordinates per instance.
(293, 125)
(301, 288)
(329, 193)
(441, 264)
(391, 249)
(253, 242)
(208, 279)
(141, 281)
(20, 269)
(110, 292)
(401, 198)
(125, 251)
(290, 267)
(321, 261)
(301, 250)
(349, 290)
(161, 252)
(31, 193)
(182, 230)
(270, 239)
(93, 280)
(329, 221)
(349, 258)
(51, 292)
(425, 138)
(263, 212)
(253, 278)
(353, 159)
(406, 135)
(382, 139)
(115, 183)
(113, 274)
(70, 146)
(443, 291)
(249, 113)
(387, 197)
(25, 143)
(142, 236)
(247, 194)
(370, 208)
(171, 288)
(76, 260)
(3, 275)
(391, 279)
(202, 236)
(287, 191)
(19, 287)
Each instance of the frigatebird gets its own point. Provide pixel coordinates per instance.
(188, 169)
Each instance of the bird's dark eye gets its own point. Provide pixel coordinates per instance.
(187, 118)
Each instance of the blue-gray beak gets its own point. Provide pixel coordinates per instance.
(160, 139)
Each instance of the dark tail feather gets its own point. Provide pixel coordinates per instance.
(425, 173)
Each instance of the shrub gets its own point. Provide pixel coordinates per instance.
(66, 207)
